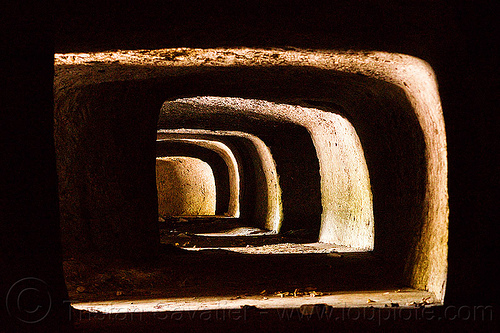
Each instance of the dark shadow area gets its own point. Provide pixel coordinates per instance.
(415, 28)
(183, 273)
(106, 207)
(322, 319)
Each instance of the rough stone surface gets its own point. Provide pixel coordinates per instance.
(260, 188)
(391, 100)
(186, 186)
(220, 158)
(347, 217)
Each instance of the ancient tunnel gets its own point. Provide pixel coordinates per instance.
(353, 142)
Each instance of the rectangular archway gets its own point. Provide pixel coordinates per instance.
(390, 99)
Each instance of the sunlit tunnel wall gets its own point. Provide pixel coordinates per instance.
(347, 210)
(186, 187)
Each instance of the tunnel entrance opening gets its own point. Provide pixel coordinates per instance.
(106, 115)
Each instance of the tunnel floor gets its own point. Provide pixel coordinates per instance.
(257, 264)
(199, 234)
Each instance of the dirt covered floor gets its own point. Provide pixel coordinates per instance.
(214, 258)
